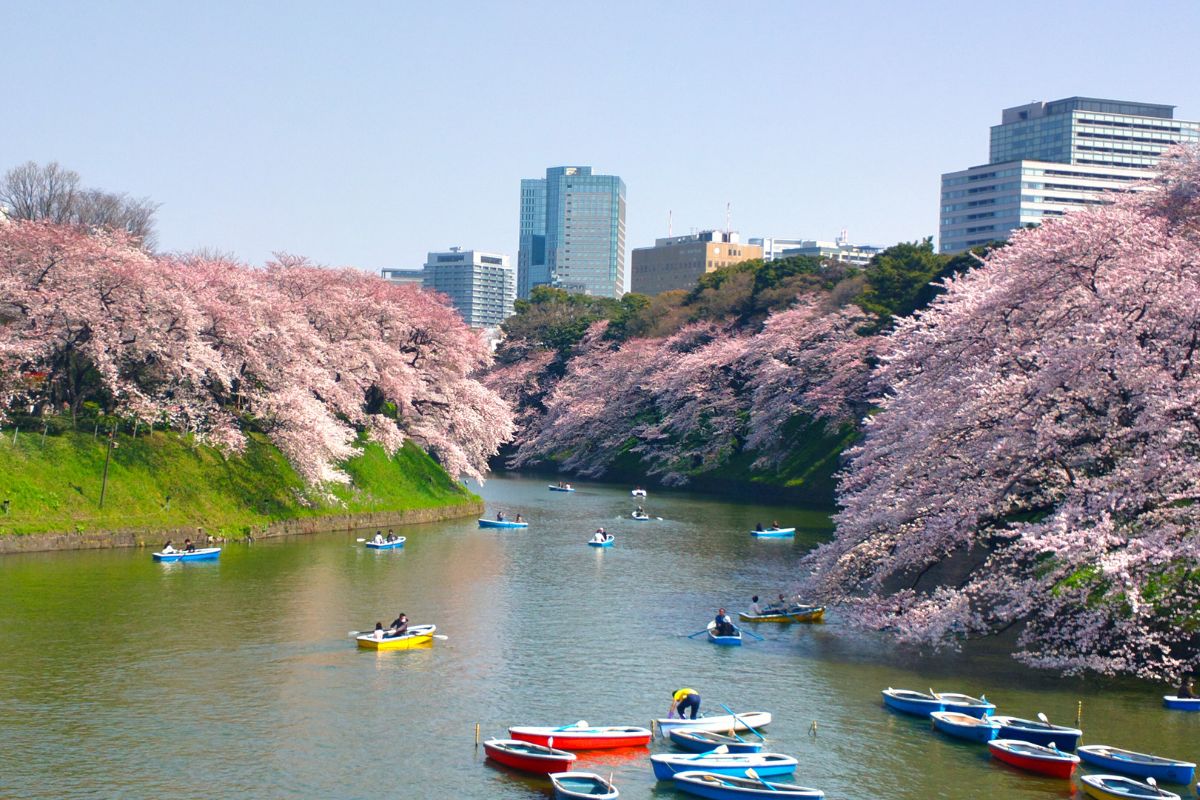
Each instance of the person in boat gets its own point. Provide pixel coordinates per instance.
(775, 525)
(188, 547)
(755, 608)
(499, 516)
(378, 538)
(758, 527)
(600, 536)
(724, 624)
(1187, 688)
(683, 700)
(399, 626)
(520, 518)
(168, 547)
(380, 632)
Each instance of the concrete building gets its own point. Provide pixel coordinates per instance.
(482, 286)
(572, 232)
(678, 262)
(840, 249)
(773, 246)
(1048, 159)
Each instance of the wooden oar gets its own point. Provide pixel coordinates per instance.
(736, 718)
(750, 773)
(1154, 784)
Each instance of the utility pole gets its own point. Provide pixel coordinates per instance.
(107, 458)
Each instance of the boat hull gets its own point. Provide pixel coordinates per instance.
(495, 523)
(1023, 730)
(387, 545)
(724, 641)
(1138, 764)
(1181, 703)
(1059, 765)
(582, 738)
(582, 786)
(909, 702)
(717, 724)
(706, 741)
(815, 614)
(727, 787)
(1115, 787)
(416, 637)
(560, 489)
(203, 554)
(606, 543)
(666, 766)
(510, 753)
(780, 533)
(965, 704)
(957, 725)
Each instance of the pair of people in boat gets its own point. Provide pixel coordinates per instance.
(601, 535)
(564, 485)
(774, 527)
(682, 701)
(188, 547)
(399, 627)
(500, 517)
(724, 626)
(391, 537)
(779, 606)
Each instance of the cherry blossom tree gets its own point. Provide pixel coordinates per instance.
(1036, 459)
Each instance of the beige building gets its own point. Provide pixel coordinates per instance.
(679, 261)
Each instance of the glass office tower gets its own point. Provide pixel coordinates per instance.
(573, 232)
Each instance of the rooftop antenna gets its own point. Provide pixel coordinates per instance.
(728, 214)
(669, 223)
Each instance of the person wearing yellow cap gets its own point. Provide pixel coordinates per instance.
(682, 700)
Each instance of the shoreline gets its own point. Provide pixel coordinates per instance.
(152, 537)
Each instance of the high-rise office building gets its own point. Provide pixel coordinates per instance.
(572, 232)
(1047, 159)
(482, 286)
(678, 262)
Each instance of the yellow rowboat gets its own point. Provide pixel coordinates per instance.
(800, 614)
(417, 636)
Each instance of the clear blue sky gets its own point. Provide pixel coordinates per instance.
(367, 133)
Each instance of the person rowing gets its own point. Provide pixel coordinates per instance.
(391, 537)
(399, 626)
(499, 516)
(601, 535)
(724, 626)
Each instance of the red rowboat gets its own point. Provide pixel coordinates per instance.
(582, 736)
(528, 757)
(1034, 757)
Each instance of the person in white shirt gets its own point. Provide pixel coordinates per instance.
(378, 538)
(167, 548)
(600, 536)
(755, 608)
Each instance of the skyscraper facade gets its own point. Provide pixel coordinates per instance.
(572, 232)
(482, 286)
(1047, 159)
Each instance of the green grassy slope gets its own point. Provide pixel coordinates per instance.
(165, 481)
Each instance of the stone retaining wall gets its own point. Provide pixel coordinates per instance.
(142, 537)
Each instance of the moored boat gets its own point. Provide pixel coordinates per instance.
(528, 757)
(501, 523)
(727, 640)
(392, 545)
(908, 701)
(666, 765)
(1181, 703)
(721, 723)
(608, 542)
(965, 726)
(965, 703)
(727, 787)
(581, 736)
(1141, 765)
(416, 636)
(795, 614)
(774, 533)
(1041, 733)
(582, 786)
(704, 741)
(567, 488)
(1117, 787)
(1034, 757)
(200, 554)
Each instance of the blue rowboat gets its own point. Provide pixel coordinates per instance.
(728, 641)
(501, 523)
(1115, 787)
(965, 726)
(1139, 765)
(1181, 703)
(666, 765)
(554, 488)
(1042, 733)
(582, 786)
(202, 554)
(606, 543)
(640, 517)
(392, 545)
(704, 741)
(906, 701)
(774, 533)
(965, 704)
(727, 787)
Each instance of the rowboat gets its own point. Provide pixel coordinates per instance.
(965, 704)
(1140, 765)
(200, 554)
(581, 736)
(388, 545)
(1034, 757)
(1115, 787)
(501, 523)
(908, 701)
(638, 493)
(554, 488)
(416, 636)
(1181, 703)
(608, 542)
(528, 757)
(722, 723)
(640, 517)
(734, 640)
(797, 614)
(582, 786)
(727, 787)
(1042, 733)
(965, 726)
(667, 765)
(704, 741)
(774, 533)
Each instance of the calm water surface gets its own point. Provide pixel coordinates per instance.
(120, 677)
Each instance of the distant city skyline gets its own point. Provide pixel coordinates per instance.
(342, 136)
